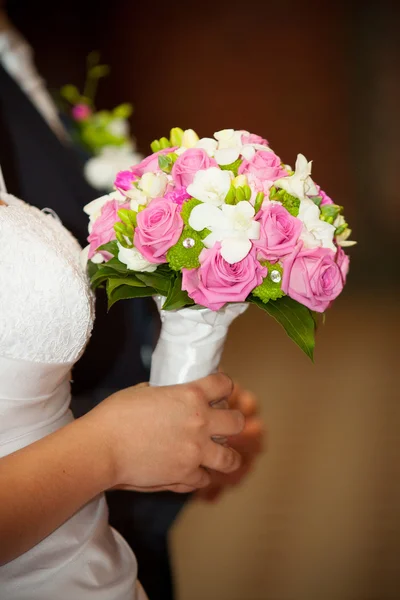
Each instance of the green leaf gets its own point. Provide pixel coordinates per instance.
(234, 167)
(101, 275)
(111, 247)
(115, 264)
(126, 292)
(91, 269)
(295, 318)
(165, 163)
(156, 280)
(177, 298)
(114, 282)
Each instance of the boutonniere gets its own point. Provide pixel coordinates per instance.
(103, 135)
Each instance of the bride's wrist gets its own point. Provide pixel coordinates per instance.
(100, 445)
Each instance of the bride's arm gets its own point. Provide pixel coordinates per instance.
(143, 438)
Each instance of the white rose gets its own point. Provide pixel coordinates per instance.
(134, 260)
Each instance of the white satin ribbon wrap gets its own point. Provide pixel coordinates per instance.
(190, 343)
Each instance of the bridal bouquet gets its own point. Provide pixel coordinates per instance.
(207, 226)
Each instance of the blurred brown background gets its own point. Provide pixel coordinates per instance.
(320, 517)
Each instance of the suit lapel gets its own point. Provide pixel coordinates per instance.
(38, 166)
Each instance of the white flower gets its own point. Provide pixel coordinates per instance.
(100, 170)
(315, 232)
(153, 185)
(226, 156)
(189, 138)
(228, 138)
(93, 209)
(84, 257)
(233, 226)
(119, 128)
(343, 238)
(210, 185)
(134, 260)
(300, 184)
(207, 144)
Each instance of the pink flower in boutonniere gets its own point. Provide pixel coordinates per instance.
(81, 112)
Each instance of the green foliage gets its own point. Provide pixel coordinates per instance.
(289, 202)
(180, 257)
(269, 290)
(330, 212)
(177, 298)
(234, 167)
(187, 208)
(295, 318)
(166, 161)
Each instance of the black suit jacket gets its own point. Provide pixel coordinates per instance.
(42, 171)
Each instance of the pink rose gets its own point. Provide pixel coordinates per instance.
(343, 262)
(279, 231)
(265, 165)
(178, 196)
(312, 277)
(124, 180)
(252, 138)
(81, 112)
(150, 163)
(103, 228)
(217, 282)
(187, 165)
(159, 227)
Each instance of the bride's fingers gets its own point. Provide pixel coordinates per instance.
(221, 458)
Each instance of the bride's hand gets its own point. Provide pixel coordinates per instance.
(160, 437)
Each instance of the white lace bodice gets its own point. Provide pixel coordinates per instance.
(46, 306)
(46, 315)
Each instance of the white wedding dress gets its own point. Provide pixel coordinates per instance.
(46, 316)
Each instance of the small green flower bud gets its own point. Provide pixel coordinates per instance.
(230, 197)
(164, 143)
(176, 136)
(258, 202)
(240, 195)
(155, 146)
